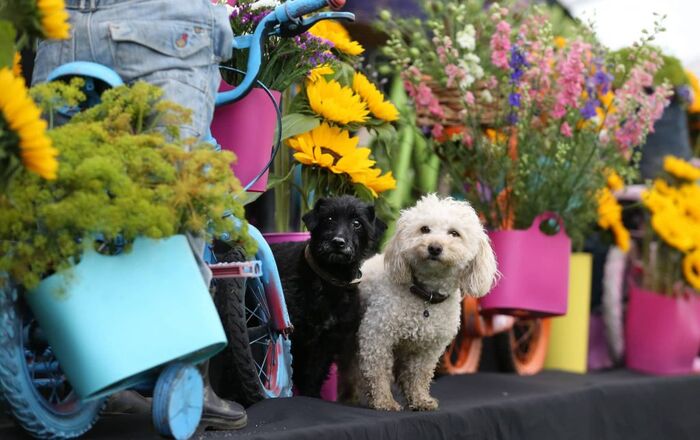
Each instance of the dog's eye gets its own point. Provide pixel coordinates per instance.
(329, 219)
(454, 233)
(356, 224)
(425, 230)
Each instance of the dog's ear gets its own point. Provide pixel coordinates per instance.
(312, 217)
(378, 227)
(394, 262)
(481, 273)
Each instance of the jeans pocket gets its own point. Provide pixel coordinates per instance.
(142, 47)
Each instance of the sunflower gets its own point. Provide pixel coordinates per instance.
(622, 237)
(375, 183)
(614, 181)
(335, 102)
(691, 269)
(680, 168)
(22, 116)
(17, 64)
(335, 33)
(673, 229)
(54, 18)
(379, 107)
(331, 147)
(656, 201)
(319, 71)
(609, 210)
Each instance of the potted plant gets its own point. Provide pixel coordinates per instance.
(662, 331)
(526, 125)
(102, 251)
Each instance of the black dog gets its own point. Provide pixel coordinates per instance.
(320, 278)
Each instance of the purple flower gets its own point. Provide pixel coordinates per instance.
(514, 99)
(589, 108)
(512, 118)
(684, 93)
(517, 62)
(603, 80)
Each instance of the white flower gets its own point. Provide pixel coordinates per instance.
(264, 4)
(467, 81)
(478, 72)
(486, 96)
(465, 38)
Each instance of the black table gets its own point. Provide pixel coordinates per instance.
(552, 405)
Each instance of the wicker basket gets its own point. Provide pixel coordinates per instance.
(451, 102)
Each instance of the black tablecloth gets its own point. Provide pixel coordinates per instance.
(552, 405)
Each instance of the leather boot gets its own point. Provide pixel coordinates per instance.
(220, 414)
(127, 402)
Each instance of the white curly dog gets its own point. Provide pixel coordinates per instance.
(411, 298)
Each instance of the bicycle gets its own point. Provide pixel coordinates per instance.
(38, 394)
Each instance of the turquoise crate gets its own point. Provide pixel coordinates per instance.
(112, 321)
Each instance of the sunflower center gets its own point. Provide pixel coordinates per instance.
(336, 156)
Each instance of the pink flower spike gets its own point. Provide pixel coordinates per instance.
(566, 129)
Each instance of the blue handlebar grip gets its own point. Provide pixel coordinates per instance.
(295, 9)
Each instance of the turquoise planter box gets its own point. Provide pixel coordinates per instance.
(112, 321)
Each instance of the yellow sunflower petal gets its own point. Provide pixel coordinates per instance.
(54, 18)
(335, 102)
(691, 269)
(336, 34)
(22, 116)
(320, 71)
(17, 64)
(379, 107)
(680, 168)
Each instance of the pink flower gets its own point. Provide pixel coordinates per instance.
(565, 130)
(454, 73)
(571, 77)
(469, 98)
(437, 131)
(500, 45)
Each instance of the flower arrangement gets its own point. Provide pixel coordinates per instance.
(23, 139)
(336, 101)
(525, 122)
(120, 178)
(671, 246)
(285, 60)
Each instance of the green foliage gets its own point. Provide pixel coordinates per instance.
(7, 43)
(671, 71)
(121, 176)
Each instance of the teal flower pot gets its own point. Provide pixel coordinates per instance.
(113, 321)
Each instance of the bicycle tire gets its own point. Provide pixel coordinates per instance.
(29, 409)
(238, 374)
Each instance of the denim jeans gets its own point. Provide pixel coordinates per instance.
(174, 44)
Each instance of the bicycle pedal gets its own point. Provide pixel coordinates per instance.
(238, 269)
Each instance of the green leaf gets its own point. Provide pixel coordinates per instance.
(386, 133)
(297, 123)
(7, 46)
(274, 181)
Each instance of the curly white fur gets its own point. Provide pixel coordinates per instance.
(394, 335)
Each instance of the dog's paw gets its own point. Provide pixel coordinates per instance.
(386, 405)
(426, 404)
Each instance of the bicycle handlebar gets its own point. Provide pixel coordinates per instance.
(286, 19)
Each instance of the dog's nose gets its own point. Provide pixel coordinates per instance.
(338, 242)
(434, 250)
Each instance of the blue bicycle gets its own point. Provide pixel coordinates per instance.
(248, 295)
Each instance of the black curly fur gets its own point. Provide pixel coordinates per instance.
(325, 316)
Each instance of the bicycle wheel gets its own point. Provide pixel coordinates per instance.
(464, 353)
(523, 348)
(258, 362)
(39, 397)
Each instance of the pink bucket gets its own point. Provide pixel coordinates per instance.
(535, 272)
(247, 127)
(662, 334)
(329, 389)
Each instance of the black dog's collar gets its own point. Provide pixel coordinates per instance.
(330, 279)
(431, 296)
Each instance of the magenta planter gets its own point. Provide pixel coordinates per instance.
(284, 237)
(662, 334)
(247, 127)
(329, 390)
(535, 272)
